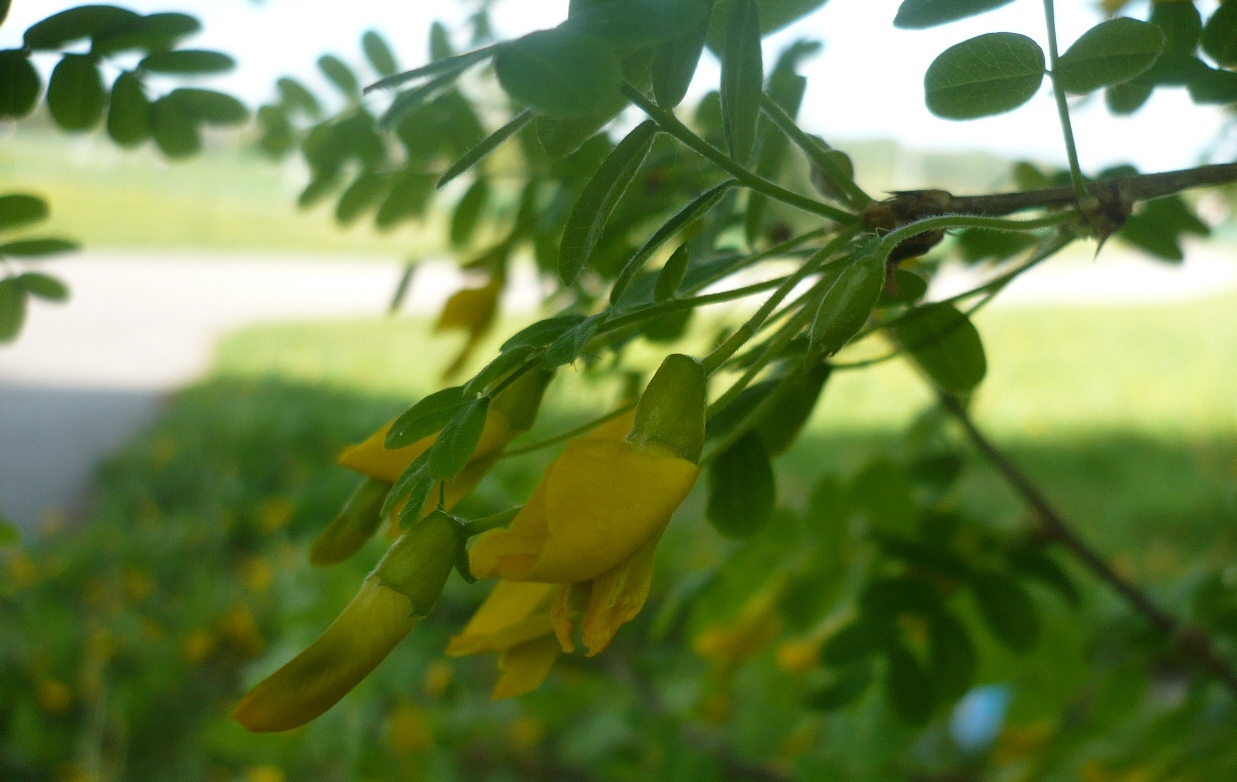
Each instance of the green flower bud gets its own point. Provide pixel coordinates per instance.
(520, 401)
(850, 299)
(353, 527)
(417, 565)
(671, 411)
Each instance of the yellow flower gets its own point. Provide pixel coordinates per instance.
(515, 622)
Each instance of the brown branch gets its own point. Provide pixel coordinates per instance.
(1192, 642)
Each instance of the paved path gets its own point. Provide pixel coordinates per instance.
(85, 377)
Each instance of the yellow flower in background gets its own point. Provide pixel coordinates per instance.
(471, 310)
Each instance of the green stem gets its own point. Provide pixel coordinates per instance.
(812, 148)
(569, 434)
(747, 178)
(749, 329)
(1067, 128)
(898, 235)
(477, 526)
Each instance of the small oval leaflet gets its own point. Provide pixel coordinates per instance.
(75, 95)
(340, 75)
(19, 209)
(588, 216)
(1110, 53)
(425, 417)
(945, 344)
(922, 14)
(671, 274)
(458, 440)
(1219, 37)
(12, 308)
(128, 116)
(675, 61)
(742, 488)
(911, 691)
(175, 131)
(187, 61)
(211, 107)
(379, 54)
(33, 248)
(951, 655)
(849, 301)
(44, 286)
(19, 85)
(76, 23)
(1007, 609)
(559, 72)
(742, 80)
(989, 74)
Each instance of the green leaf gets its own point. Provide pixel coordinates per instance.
(295, 96)
(20, 209)
(340, 75)
(210, 107)
(990, 74)
(912, 692)
(1007, 609)
(12, 308)
(44, 286)
(543, 332)
(671, 274)
(883, 493)
(976, 244)
(945, 345)
(559, 72)
(151, 33)
(1037, 564)
(849, 299)
(187, 61)
(906, 287)
(440, 42)
(410, 195)
(19, 85)
(780, 427)
(1216, 86)
(456, 63)
(85, 21)
(33, 248)
(1181, 23)
(498, 369)
(922, 14)
(774, 15)
(951, 656)
(128, 115)
(697, 207)
(75, 94)
(10, 535)
(413, 483)
(632, 24)
(862, 638)
(468, 211)
(402, 287)
(174, 129)
(592, 209)
(1124, 99)
(562, 137)
(675, 61)
(426, 417)
(4, 14)
(742, 488)
(1220, 35)
(364, 193)
(378, 53)
(1110, 53)
(888, 598)
(842, 688)
(742, 80)
(485, 147)
(568, 345)
(457, 442)
(1157, 225)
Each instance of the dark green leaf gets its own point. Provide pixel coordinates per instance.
(30, 248)
(12, 309)
(977, 244)
(1035, 563)
(1181, 23)
(378, 54)
(426, 417)
(295, 95)
(842, 688)
(4, 14)
(560, 72)
(409, 101)
(742, 80)
(1129, 97)
(187, 61)
(990, 74)
(912, 692)
(410, 196)
(951, 656)
(85, 21)
(457, 442)
(210, 107)
(774, 15)
(458, 62)
(415, 480)
(499, 369)
(318, 188)
(75, 94)
(592, 209)
(43, 286)
(560, 138)
(1110, 53)
(849, 299)
(1216, 86)
(10, 535)
(922, 14)
(779, 427)
(468, 212)
(363, 194)
(340, 75)
(1220, 35)
(742, 488)
(859, 639)
(19, 209)
(1156, 227)
(19, 85)
(675, 61)
(671, 274)
(153, 32)
(440, 42)
(945, 344)
(905, 287)
(128, 116)
(485, 147)
(636, 23)
(543, 332)
(568, 345)
(697, 207)
(886, 599)
(174, 129)
(883, 493)
(1007, 609)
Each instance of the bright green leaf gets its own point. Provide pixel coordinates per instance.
(19, 85)
(742, 80)
(33, 248)
(671, 274)
(44, 286)
(75, 94)
(12, 309)
(1110, 53)
(990, 74)
(426, 417)
(458, 440)
(379, 54)
(849, 299)
(560, 72)
(20, 209)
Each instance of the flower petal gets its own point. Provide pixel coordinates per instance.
(374, 459)
(618, 595)
(525, 667)
(510, 553)
(514, 613)
(362, 635)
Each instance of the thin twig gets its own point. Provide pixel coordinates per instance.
(1192, 642)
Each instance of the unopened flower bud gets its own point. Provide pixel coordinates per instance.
(353, 527)
(417, 565)
(671, 412)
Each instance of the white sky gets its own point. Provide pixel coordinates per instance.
(866, 84)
